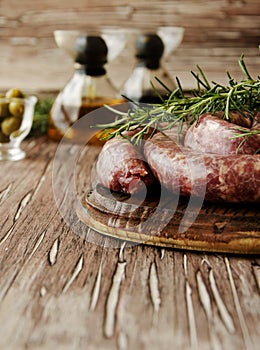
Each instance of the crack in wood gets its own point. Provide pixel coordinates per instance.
(121, 252)
(154, 291)
(162, 253)
(5, 192)
(190, 308)
(96, 290)
(191, 318)
(206, 262)
(224, 314)
(185, 265)
(122, 341)
(19, 270)
(243, 325)
(37, 244)
(23, 203)
(256, 273)
(7, 235)
(206, 304)
(113, 300)
(204, 296)
(74, 275)
(54, 251)
(43, 291)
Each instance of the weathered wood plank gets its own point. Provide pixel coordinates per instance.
(28, 47)
(59, 290)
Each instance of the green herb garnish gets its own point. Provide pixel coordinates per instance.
(179, 108)
(41, 115)
(245, 134)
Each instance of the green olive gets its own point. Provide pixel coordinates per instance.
(16, 108)
(4, 110)
(3, 138)
(10, 124)
(14, 92)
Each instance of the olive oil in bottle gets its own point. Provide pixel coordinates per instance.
(88, 89)
(142, 85)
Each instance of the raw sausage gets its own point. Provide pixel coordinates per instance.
(233, 178)
(121, 167)
(213, 135)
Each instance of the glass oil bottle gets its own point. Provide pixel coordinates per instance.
(88, 89)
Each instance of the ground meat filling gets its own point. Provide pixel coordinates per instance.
(214, 135)
(122, 168)
(234, 178)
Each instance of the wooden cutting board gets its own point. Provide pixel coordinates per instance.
(162, 219)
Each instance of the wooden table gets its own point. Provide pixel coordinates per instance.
(62, 290)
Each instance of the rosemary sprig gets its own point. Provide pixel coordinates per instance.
(244, 135)
(243, 96)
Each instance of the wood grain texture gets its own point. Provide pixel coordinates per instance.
(216, 34)
(60, 290)
(236, 232)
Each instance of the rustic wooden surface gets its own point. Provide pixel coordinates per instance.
(216, 228)
(216, 34)
(159, 218)
(60, 290)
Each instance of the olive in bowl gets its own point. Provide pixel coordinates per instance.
(16, 117)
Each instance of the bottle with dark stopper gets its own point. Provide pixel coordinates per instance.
(142, 86)
(88, 89)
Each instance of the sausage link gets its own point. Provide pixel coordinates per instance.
(121, 167)
(233, 178)
(214, 135)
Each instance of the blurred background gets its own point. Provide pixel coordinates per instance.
(216, 34)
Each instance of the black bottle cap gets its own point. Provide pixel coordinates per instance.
(149, 49)
(91, 53)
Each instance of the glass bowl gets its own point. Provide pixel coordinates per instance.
(16, 117)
